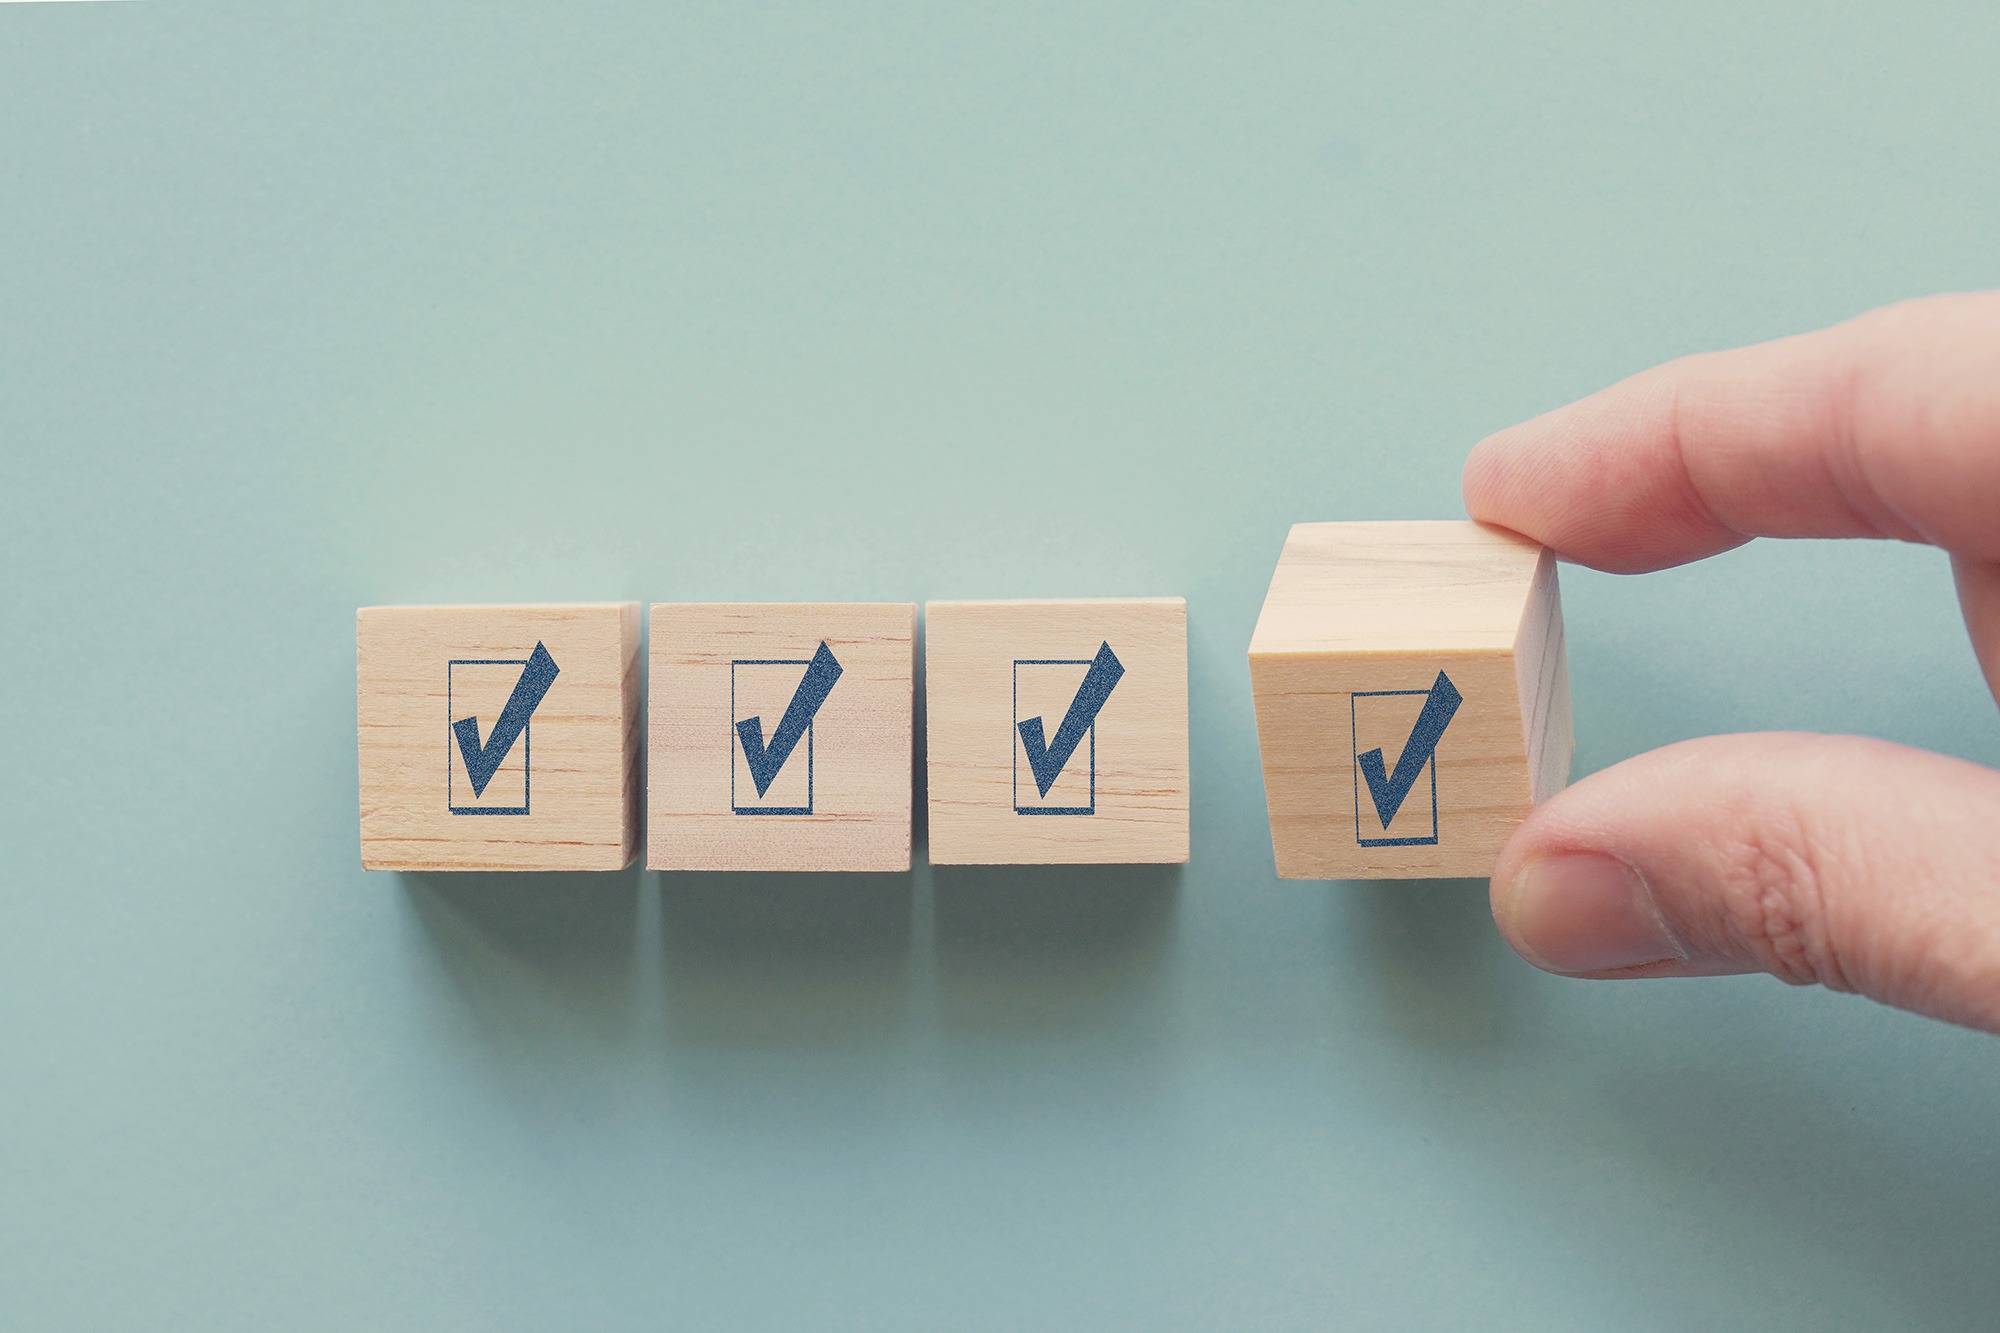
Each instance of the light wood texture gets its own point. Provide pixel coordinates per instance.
(574, 768)
(1541, 674)
(714, 666)
(1360, 620)
(988, 666)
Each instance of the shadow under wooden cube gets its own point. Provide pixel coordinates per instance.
(785, 960)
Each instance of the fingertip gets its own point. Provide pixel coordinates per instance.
(1479, 483)
(1817, 859)
(1582, 913)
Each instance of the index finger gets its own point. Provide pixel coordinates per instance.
(1885, 426)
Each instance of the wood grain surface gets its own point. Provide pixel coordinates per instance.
(990, 665)
(575, 767)
(842, 799)
(1360, 621)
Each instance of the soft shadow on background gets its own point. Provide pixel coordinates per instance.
(755, 961)
(1039, 950)
(534, 956)
(575, 933)
(785, 959)
(1436, 966)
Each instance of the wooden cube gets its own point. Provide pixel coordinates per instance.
(499, 737)
(1057, 731)
(1412, 697)
(781, 736)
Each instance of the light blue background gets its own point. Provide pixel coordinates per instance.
(305, 307)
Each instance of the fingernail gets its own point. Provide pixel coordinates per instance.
(1584, 912)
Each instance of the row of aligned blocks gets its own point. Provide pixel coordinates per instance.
(783, 736)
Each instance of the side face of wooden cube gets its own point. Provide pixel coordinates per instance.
(780, 736)
(499, 737)
(1411, 695)
(1057, 731)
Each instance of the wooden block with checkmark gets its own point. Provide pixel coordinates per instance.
(499, 737)
(1057, 731)
(780, 736)
(1412, 697)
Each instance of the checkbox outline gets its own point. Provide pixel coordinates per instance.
(1020, 809)
(735, 740)
(1354, 736)
(527, 750)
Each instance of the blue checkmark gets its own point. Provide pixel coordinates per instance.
(1390, 789)
(483, 761)
(766, 759)
(1046, 760)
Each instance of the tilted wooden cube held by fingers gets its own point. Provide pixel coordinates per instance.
(1412, 697)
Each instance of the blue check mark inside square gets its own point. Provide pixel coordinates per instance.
(483, 761)
(1389, 790)
(1047, 758)
(766, 758)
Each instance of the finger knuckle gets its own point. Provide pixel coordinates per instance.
(1777, 878)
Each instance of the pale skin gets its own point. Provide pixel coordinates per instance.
(1851, 863)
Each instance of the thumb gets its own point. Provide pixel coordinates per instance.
(1856, 864)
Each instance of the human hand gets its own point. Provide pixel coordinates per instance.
(1857, 864)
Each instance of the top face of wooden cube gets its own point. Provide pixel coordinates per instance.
(1057, 731)
(780, 736)
(498, 737)
(1416, 587)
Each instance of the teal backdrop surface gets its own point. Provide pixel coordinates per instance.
(305, 307)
